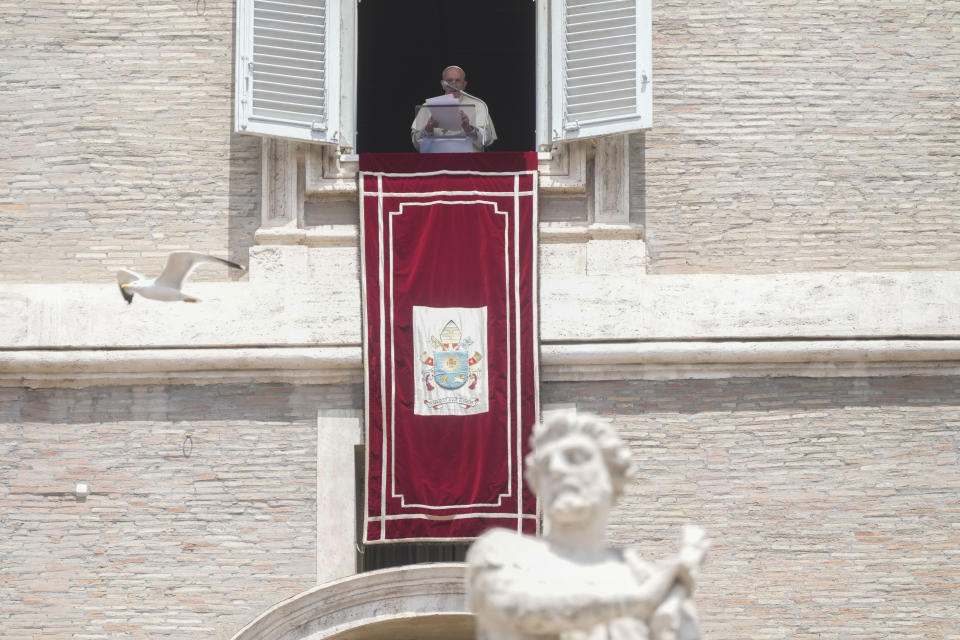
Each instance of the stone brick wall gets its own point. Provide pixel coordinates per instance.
(801, 135)
(833, 504)
(789, 136)
(116, 120)
(179, 539)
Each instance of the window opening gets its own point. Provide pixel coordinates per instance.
(403, 46)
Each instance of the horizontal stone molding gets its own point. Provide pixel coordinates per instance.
(102, 367)
(556, 232)
(424, 601)
(750, 352)
(325, 236)
(349, 235)
(590, 292)
(559, 362)
(745, 359)
(562, 170)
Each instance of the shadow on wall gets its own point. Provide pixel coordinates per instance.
(638, 178)
(243, 197)
(246, 402)
(638, 397)
(244, 189)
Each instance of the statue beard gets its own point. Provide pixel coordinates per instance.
(570, 507)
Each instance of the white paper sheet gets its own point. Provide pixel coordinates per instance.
(446, 115)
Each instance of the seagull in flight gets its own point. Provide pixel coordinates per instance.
(166, 286)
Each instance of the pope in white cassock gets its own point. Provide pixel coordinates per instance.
(475, 123)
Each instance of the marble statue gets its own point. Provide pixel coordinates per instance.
(568, 584)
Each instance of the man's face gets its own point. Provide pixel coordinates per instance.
(573, 480)
(454, 77)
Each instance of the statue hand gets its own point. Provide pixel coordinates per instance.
(693, 551)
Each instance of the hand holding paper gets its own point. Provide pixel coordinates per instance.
(445, 110)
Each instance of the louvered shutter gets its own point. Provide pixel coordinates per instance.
(601, 72)
(287, 81)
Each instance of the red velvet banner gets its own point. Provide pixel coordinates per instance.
(449, 292)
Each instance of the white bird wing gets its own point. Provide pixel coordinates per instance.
(126, 276)
(181, 263)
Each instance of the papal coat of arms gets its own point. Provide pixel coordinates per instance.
(452, 379)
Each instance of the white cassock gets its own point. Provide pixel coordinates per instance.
(483, 135)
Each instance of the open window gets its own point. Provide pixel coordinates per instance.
(405, 44)
(583, 71)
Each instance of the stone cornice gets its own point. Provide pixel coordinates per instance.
(745, 358)
(349, 235)
(559, 362)
(108, 367)
(562, 170)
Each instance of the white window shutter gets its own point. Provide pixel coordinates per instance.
(601, 70)
(287, 69)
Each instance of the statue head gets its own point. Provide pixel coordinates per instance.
(579, 466)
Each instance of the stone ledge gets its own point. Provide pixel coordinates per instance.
(109, 367)
(563, 170)
(748, 359)
(557, 232)
(559, 362)
(298, 298)
(349, 235)
(325, 236)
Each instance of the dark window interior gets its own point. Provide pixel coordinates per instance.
(403, 45)
(383, 556)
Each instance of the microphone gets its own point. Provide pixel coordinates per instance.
(482, 130)
(450, 86)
